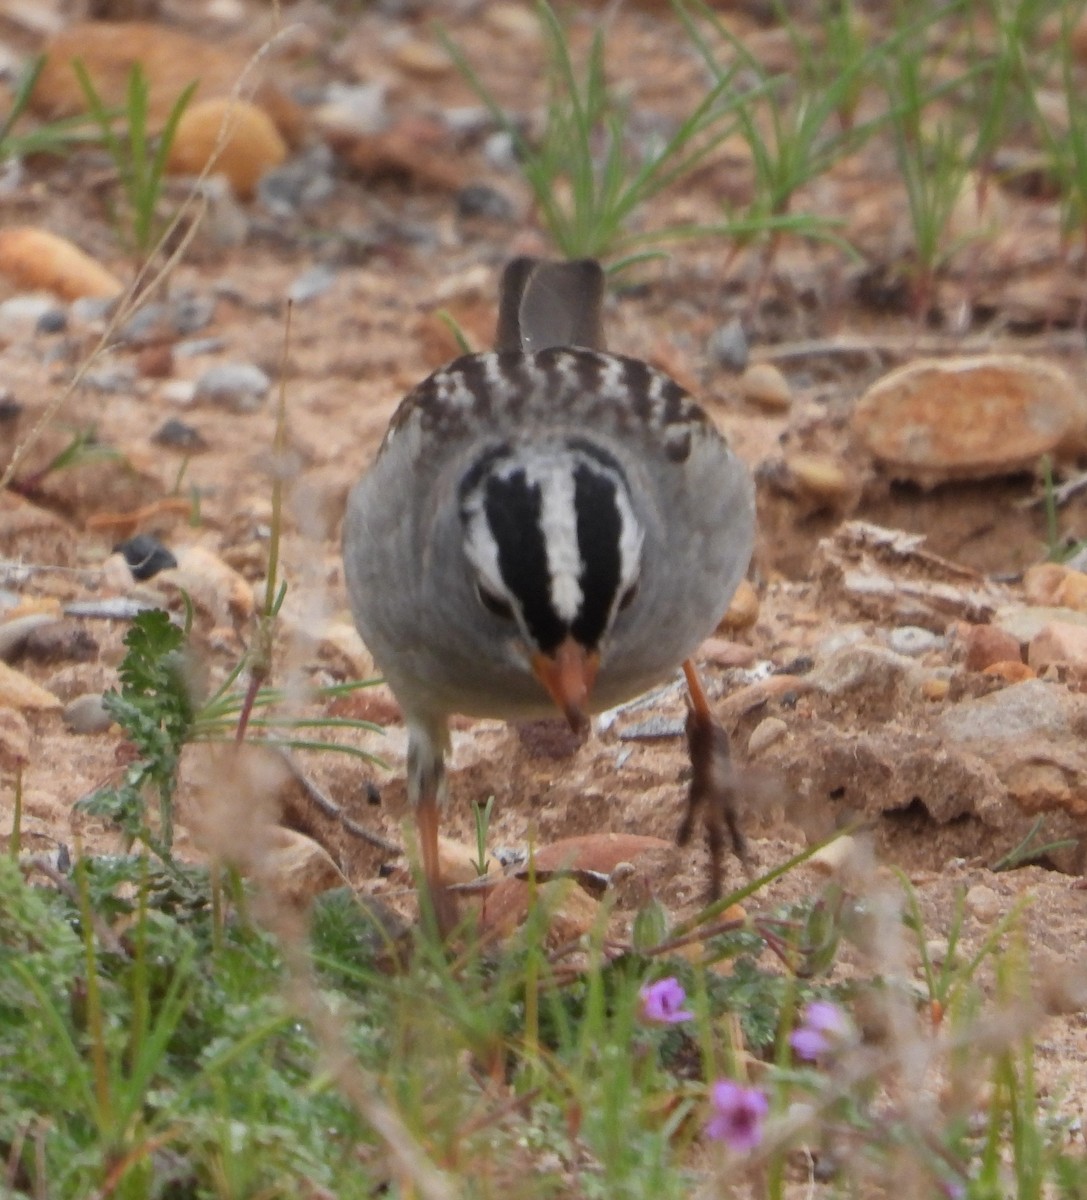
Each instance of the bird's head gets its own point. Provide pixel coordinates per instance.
(555, 546)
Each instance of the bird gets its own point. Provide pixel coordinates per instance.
(547, 527)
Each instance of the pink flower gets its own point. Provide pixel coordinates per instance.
(823, 1026)
(662, 1002)
(738, 1114)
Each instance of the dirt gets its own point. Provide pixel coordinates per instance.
(400, 253)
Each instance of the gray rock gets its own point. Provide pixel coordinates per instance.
(311, 283)
(913, 641)
(482, 200)
(728, 346)
(87, 714)
(238, 386)
(21, 315)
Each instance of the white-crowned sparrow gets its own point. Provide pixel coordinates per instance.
(545, 524)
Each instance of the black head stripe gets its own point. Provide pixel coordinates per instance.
(512, 507)
(598, 530)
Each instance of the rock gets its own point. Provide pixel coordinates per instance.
(481, 200)
(177, 435)
(728, 346)
(240, 387)
(887, 575)
(301, 183)
(238, 140)
(726, 654)
(988, 644)
(422, 59)
(20, 316)
(353, 108)
(14, 741)
(936, 950)
(1024, 622)
(296, 868)
(970, 418)
(1072, 592)
(311, 283)
(87, 714)
(820, 477)
(864, 668)
(913, 641)
(36, 259)
(1042, 582)
(19, 691)
(145, 555)
(60, 641)
(15, 630)
(571, 911)
(1012, 671)
(171, 60)
(743, 609)
(1059, 643)
(935, 687)
(214, 588)
(832, 858)
(1032, 735)
(763, 384)
(457, 862)
(765, 734)
(983, 903)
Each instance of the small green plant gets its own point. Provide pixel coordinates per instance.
(587, 179)
(788, 124)
(139, 163)
(54, 137)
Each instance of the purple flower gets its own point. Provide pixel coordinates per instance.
(823, 1026)
(662, 1002)
(738, 1114)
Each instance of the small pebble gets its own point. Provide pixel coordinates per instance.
(119, 378)
(482, 200)
(21, 315)
(935, 688)
(936, 949)
(820, 477)
(302, 183)
(766, 386)
(983, 903)
(834, 855)
(87, 714)
(88, 310)
(13, 633)
(192, 347)
(178, 391)
(55, 320)
(765, 734)
(728, 346)
(311, 283)
(653, 729)
(179, 436)
(500, 151)
(913, 640)
(238, 386)
(146, 556)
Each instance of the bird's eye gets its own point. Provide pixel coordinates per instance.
(495, 604)
(627, 598)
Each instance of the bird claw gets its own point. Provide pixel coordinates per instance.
(712, 793)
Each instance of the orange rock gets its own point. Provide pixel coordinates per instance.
(1042, 582)
(35, 259)
(986, 644)
(238, 139)
(1013, 671)
(1072, 592)
(970, 417)
(171, 60)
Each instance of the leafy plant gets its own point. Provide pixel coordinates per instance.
(139, 164)
(159, 712)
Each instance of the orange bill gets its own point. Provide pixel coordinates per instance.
(568, 676)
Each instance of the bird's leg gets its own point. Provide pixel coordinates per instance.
(427, 747)
(711, 789)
